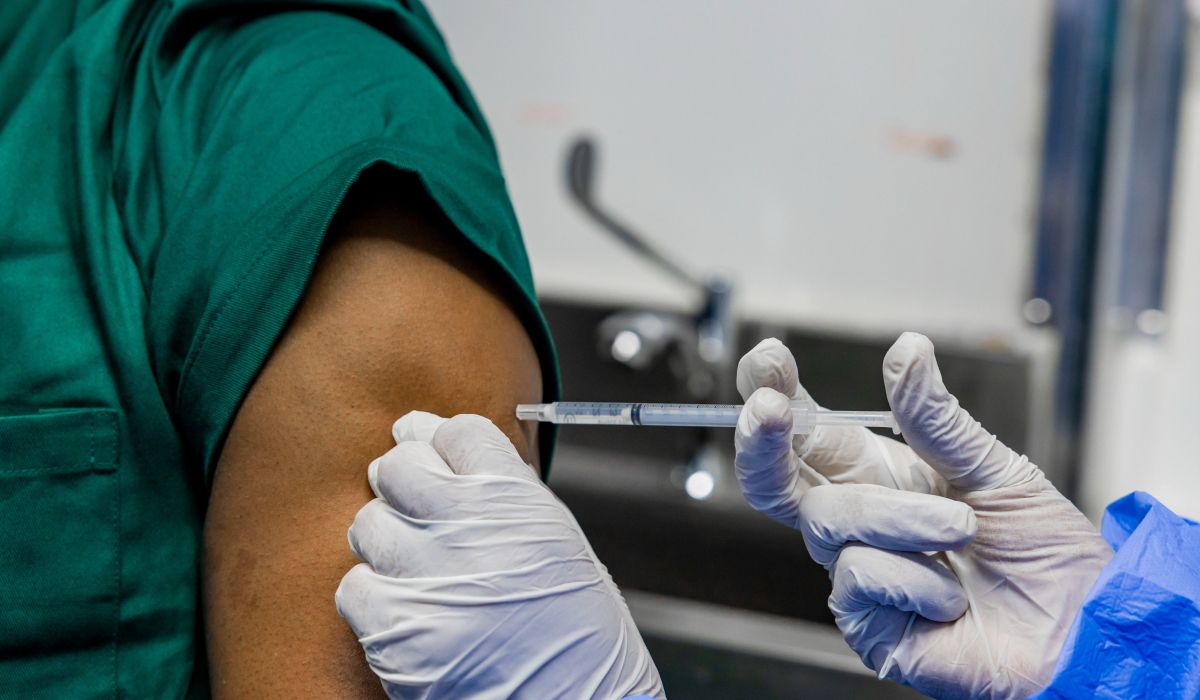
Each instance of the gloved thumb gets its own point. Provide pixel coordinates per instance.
(472, 444)
(937, 428)
(772, 477)
(770, 364)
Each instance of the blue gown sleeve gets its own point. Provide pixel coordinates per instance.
(1137, 634)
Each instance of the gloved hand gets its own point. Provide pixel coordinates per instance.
(984, 615)
(478, 582)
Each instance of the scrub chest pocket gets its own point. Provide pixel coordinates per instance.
(59, 554)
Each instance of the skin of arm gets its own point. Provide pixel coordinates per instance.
(401, 314)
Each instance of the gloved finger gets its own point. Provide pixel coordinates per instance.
(873, 633)
(866, 577)
(355, 602)
(770, 364)
(937, 428)
(772, 478)
(843, 455)
(383, 538)
(472, 444)
(414, 480)
(399, 546)
(832, 516)
(416, 425)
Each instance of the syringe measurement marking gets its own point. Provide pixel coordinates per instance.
(805, 414)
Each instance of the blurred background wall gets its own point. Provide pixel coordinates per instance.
(864, 166)
(860, 168)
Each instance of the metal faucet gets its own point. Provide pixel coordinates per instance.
(704, 341)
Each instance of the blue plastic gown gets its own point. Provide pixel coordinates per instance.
(1137, 634)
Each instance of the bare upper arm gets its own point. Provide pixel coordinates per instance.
(399, 315)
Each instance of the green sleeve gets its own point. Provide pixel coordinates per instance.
(243, 135)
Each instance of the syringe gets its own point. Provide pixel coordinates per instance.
(805, 415)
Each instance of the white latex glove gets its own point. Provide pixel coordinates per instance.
(478, 582)
(985, 617)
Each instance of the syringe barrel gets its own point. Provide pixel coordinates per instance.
(805, 415)
(596, 413)
(582, 413)
(705, 415)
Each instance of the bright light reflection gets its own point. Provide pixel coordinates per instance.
(625, 345)
(699, 485)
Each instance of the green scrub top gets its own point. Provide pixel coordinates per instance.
(167, 172)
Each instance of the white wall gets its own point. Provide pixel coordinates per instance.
(791, 142)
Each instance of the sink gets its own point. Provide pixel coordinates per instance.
(713, 652)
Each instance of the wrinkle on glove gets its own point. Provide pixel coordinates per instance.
(1137, 634)
(477, 582)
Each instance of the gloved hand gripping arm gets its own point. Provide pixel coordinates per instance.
(478, 582)
(986, 614)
